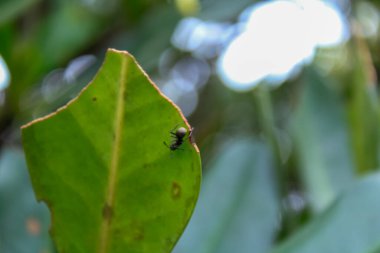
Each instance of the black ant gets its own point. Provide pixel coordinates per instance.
(178, 136)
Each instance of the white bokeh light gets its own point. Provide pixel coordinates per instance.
(278, 37)
(327, 25)
(203, 38)
(4, 75)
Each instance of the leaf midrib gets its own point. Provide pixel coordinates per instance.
(104, 230)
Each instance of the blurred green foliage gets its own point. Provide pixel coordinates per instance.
(293, 170)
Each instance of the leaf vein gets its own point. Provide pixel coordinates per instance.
(105, 226)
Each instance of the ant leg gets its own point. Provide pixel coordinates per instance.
(173, 131)
(174, 128)
(166, 144)
(191, 138)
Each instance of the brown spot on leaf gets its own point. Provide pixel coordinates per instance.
(136, 231)
(107, 212)
(33, 226)
(138, 235)
(176, 190)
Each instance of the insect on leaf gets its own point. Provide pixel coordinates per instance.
(101, 166)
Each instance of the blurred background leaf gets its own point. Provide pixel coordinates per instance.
(322, 141)
(363, 108)
(340, 230)
(22, 219)
(238, 206)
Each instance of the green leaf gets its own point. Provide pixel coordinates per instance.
(238, 206)
(350, 225)
(101, 165)
(320, 130)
